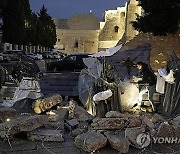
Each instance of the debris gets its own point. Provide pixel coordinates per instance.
(90, 141)
(134, 122)
(118, 141)
(59, 125)
(46, 135)
(148, 122)
(108, 123)
(166, 130)
(78, 112)
(114, 114)
(132, 134)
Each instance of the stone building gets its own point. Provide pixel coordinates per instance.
(85, 33)
(78, 34)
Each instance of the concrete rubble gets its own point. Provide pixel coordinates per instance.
(119, 130)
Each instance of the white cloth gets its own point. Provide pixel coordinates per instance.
(167, 77)
(28, 88)
(102, 95)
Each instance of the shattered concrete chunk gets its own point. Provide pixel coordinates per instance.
(43, 104)
(90, 141)
(108, 123)
(46, 135)
(118, 140)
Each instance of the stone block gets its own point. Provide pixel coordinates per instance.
(90, 141)
(46, 135)
(118, 141)
(108, 123)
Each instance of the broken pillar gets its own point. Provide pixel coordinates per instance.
(43, 104)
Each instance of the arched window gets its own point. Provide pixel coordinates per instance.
(76, 44)
(116, 28)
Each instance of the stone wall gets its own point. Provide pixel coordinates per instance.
(160, 46)
(78, 40)
(132, 10)
(114, 25)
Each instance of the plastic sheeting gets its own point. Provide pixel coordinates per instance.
(28, 88)
(167, 77)
(87, 77)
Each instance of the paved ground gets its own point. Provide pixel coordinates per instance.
(23, 146)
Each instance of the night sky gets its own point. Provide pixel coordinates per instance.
(68, 8)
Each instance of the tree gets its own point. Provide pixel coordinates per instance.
(13, 22)
(160, 17)
(48, 29)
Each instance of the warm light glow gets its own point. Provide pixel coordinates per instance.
(8, 119)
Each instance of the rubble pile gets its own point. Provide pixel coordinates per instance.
(118, 130)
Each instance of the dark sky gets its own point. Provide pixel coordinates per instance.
(68, 8)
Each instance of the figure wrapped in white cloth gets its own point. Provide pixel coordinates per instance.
(27, 73)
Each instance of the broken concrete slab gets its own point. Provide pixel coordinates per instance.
(22, 124)
(43, 104)
(118, 140)
(46, 135)
(108, 123)
(6, 114)
(90, 141)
